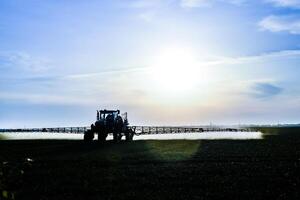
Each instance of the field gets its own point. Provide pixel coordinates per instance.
(170, 169)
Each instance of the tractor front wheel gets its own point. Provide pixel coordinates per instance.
(88, 136)
(102, 137)
(129, 136)
(117, 137)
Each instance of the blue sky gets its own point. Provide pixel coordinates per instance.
(165, 62)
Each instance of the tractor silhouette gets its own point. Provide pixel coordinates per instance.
(110, 122)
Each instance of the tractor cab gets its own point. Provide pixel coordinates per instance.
(103, 114)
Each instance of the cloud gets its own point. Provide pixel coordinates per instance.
(183, 3)
(151, 8)
(207, 3)
(253, 58)
(23, 61)
(195, 3)
(146, 3)
(102, 73)
(45, 99)
(289, 23)
(285, 3)
(147, 16)
(265, 90)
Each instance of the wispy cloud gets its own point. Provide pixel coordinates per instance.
(207, 3)
(147, 16)
(285, 3)
(150, 8)
(182, 3)
(195, 3)
(108, 72)
(146, 3)
(252, 58)
(265, 90)
(289, 23)
(23, 61)
(45, 99)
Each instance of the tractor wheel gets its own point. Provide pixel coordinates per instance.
(102, 137)
(120, 137)
(88, 136)
(117, 137)
(129, 136)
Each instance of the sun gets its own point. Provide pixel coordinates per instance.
(175, 69)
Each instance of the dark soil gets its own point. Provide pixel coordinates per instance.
(181, 169)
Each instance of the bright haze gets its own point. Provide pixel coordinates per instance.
(165, 62)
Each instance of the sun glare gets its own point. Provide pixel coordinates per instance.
(175, 69)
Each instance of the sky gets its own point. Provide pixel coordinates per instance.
(165, 62)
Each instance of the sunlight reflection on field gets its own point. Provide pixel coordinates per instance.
(173, 150)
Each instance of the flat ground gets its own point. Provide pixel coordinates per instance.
(174, 169)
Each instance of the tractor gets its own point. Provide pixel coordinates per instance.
(110, 122)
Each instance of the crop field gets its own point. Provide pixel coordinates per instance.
(153, 169)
